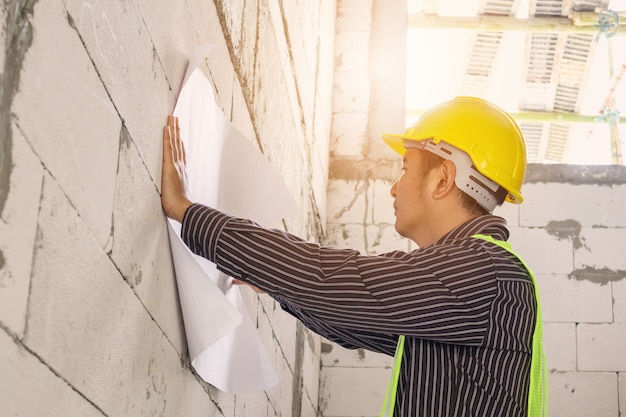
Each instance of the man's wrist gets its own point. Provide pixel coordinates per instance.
(177, 211)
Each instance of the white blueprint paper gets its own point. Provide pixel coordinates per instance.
(227, 172)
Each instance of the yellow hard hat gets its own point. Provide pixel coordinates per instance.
(486, 133)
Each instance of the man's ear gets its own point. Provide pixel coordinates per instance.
(445, 175)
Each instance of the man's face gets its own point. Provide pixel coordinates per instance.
(410, 192)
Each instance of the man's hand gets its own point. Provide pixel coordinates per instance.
(255, 289)
(174, 198)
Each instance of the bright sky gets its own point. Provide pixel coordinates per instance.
(433, 76)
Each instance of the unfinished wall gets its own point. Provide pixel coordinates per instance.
(368, 99)
(89, 317)
(572, 231)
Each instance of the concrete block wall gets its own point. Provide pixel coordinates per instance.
(368, 99)
(89, 318)
(571, 229)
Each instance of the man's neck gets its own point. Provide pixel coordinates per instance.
(444, 224)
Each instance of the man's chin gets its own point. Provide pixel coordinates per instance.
(399, 230)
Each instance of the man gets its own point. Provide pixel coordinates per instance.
(461, 311)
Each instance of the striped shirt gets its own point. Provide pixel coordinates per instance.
(466, 306)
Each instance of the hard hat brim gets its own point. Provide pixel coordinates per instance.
(395, 142)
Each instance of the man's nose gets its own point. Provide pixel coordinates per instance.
(392, 191)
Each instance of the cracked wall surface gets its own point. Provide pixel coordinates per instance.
(89, 318)
(16, 40)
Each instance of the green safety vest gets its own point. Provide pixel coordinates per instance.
(538, 390)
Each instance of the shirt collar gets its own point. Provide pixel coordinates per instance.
(488, 224)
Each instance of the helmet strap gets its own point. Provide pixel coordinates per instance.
(467, 179)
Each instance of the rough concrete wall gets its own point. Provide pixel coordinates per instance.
(89, 317)
(570, 230)
(368, 99)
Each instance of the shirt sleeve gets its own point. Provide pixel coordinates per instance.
(347, 338)
(442, 293)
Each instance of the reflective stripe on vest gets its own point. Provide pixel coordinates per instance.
(538, 389)
(392, 386)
